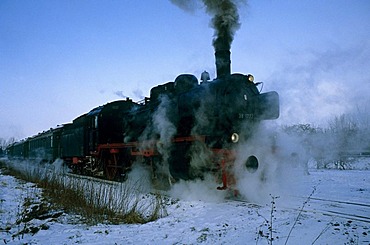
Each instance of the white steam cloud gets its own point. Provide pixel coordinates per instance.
(164, 126)
(316, 86)
(282, 163)
(163, 129)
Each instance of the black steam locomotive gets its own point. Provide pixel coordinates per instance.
(185, 128)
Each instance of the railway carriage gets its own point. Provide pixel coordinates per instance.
(45, 146)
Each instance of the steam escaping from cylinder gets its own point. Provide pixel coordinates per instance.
(162, 124)
(270, 163)
(161, 128)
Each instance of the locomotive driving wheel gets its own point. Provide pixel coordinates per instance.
(111, 167)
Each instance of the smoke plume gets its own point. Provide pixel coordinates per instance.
(225, 21)
(120, 94)
(225, 18)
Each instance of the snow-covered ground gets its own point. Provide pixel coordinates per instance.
(336, 210)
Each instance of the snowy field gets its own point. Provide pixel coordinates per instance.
(324, 207)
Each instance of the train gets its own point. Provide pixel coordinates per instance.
(184, 129)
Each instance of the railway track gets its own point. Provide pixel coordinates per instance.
(342, 202)
(355, 211)
(78, 176)
(358, 211)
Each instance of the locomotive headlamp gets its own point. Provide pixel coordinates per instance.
(250, 78)
(235, 138)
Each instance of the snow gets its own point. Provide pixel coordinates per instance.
(198, 214)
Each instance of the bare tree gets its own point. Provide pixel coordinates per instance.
(5, 143)
(2, 143)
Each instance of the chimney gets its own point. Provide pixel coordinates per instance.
(223, 62)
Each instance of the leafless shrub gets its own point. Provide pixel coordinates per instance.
(299, 214)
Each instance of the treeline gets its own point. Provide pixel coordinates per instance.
(345, 137)
(4, 144)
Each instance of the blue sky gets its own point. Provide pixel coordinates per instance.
(60, 59)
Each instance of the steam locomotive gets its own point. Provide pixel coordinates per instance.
(185, 129)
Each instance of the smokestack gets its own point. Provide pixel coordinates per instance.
(225, 22)
(223, 62)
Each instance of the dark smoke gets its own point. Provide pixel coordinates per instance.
(225, 18)
(225, 21)
(187, 5)
(120, 94)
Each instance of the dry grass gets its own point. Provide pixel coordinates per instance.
(97, 202)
